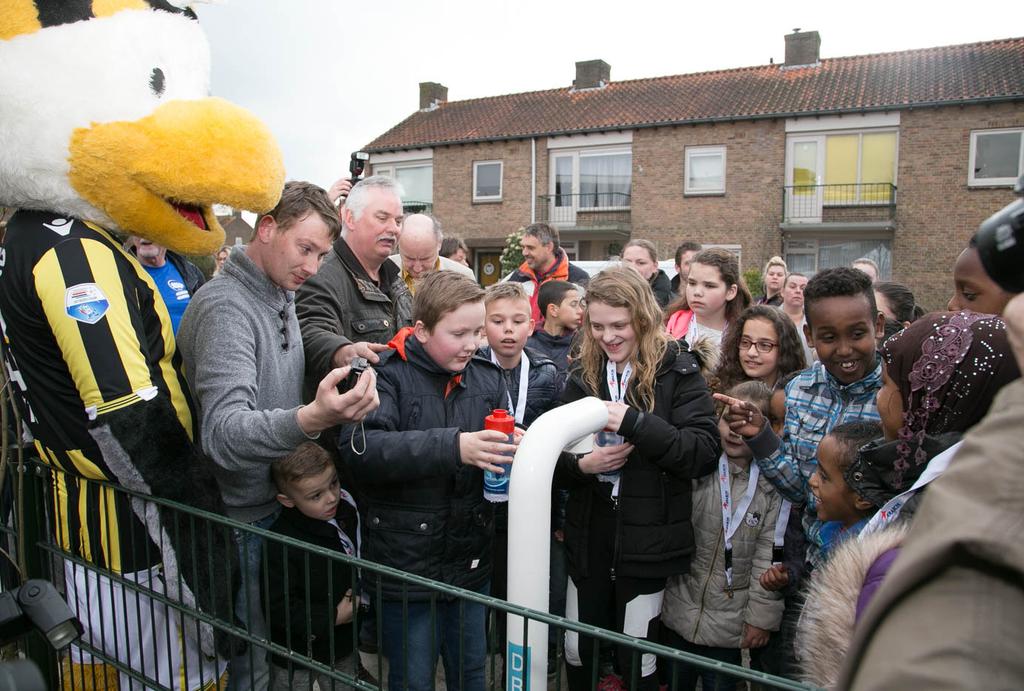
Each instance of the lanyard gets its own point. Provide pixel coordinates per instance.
(617, 384)
(346, 542)
(781, 523)
(519, 411)
(731, 520)
(888, 513)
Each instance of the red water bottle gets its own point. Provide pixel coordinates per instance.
(496, 485)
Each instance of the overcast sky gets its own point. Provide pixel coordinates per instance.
(329, 76)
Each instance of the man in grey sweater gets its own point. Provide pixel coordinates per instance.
(244, 362)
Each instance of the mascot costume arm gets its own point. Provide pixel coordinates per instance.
(105, 127)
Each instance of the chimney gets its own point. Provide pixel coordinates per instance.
(592, 74)
(432, 95)
(802, 49)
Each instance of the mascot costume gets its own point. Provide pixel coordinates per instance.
(106, 128)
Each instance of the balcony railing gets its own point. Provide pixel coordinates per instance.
(585, 210)
(848, 203)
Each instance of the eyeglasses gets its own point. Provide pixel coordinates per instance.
(763, 347)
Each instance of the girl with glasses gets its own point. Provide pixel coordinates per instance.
(763, 345)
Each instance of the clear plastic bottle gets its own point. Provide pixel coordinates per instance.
(496, 485)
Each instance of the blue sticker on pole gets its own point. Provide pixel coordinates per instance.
(518, 668)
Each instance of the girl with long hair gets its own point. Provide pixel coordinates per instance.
(628, 516)
(763, 345)
(714, 296)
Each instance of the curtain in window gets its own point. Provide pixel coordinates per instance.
(832, 253)
(605, 181)
(418, 183)
(706, 173)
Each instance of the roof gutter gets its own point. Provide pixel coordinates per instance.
(708, 121)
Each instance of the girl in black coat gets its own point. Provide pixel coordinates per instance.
(628, 518)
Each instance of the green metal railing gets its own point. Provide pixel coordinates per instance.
(46, 559)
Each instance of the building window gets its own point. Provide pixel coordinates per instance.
(416, 179)
(860, 167)
(809, 256)
(487, 181)
(704, 170)
(997, 157)
(592, 180)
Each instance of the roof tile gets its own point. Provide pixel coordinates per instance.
(992, 70)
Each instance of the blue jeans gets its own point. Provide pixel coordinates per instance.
(412, 650)
(249, 671)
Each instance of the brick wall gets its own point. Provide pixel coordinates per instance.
(485, 223)
(936, 211)
(749, 212)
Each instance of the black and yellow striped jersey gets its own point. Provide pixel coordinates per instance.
(85, 333)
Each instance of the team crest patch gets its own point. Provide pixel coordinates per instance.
(753, 519)
(86, 303)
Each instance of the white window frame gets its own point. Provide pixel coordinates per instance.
(737, 250)
(501, 182)
(391, 169)
(994, 182)
(585, 153)
(703, 151)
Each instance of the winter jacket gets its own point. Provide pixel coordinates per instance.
(190, 273)
(562, 270)
(661, 286)
(543, 386)
(949, 613)
(340, 305)
(304, 588)
(697, 605)
(829, 612)
(556, 348)
(423, 511)
(675, 444)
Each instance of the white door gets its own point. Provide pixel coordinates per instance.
(564, 189)
(805, 173)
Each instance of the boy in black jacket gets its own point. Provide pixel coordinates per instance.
(310, 600)
(420, 483)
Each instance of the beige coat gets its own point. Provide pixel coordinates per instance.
(696, 606)
(950, 614)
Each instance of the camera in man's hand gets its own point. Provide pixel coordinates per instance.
(357, 164)
(358, 365)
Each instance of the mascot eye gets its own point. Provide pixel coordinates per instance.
(156, 81)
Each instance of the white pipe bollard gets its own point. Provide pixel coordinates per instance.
(570, 427)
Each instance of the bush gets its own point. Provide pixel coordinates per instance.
(512, 255)
(754, 282)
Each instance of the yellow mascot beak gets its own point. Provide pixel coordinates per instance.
(159, 176)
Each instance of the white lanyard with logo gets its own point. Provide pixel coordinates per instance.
(617, 386)
(731, 520)
(888, 513)
(519, 411)
(781, 523)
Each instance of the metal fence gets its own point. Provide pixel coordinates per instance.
(120, 651)
(839, 203)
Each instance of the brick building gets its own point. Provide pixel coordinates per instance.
(894, 156)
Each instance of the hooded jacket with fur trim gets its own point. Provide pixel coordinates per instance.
(830, 606)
